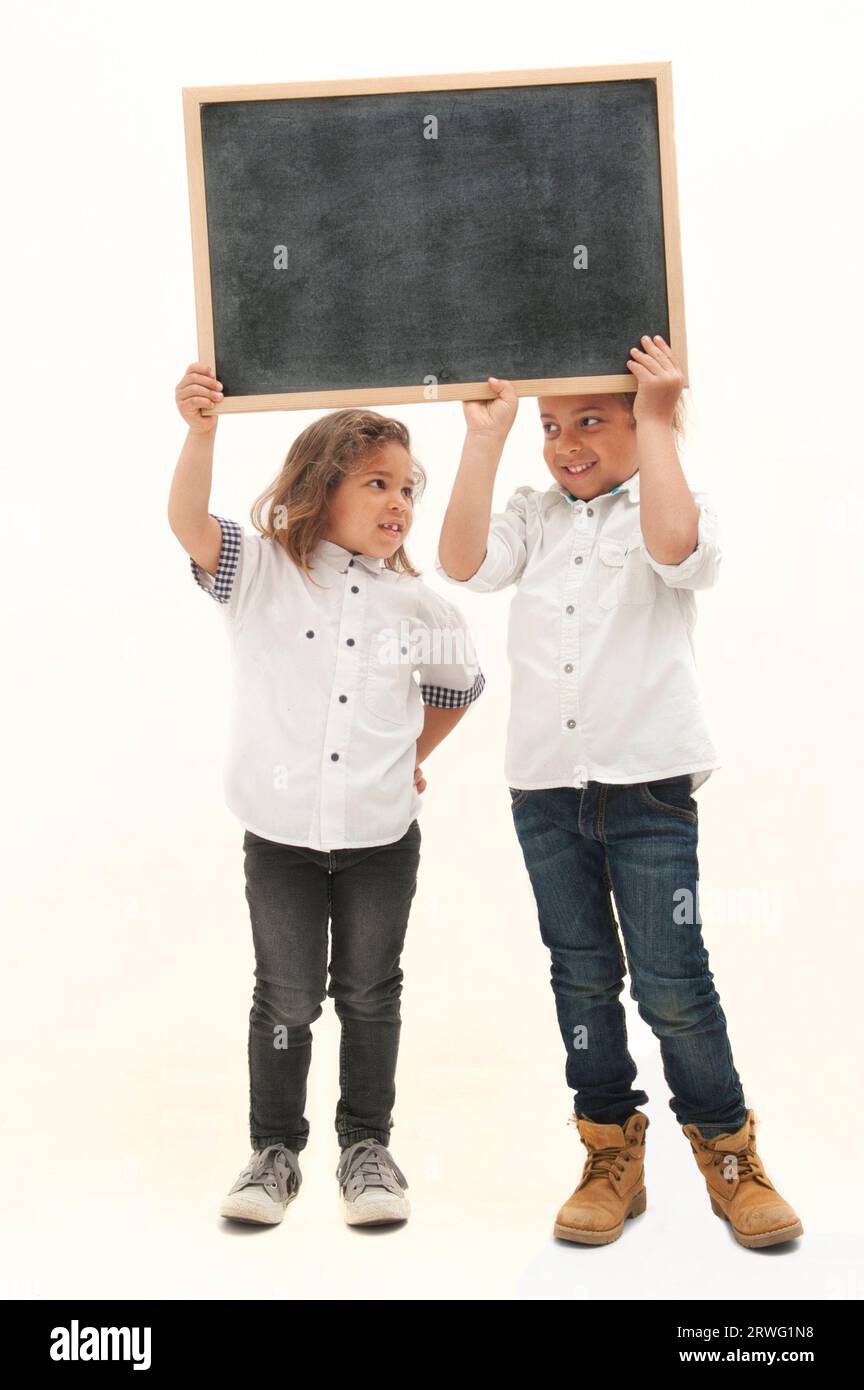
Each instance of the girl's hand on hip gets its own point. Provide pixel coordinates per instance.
(419, 779)
(493, 418)
(198, 390)
(660, 380)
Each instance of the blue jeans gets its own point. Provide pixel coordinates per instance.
(292, 893)
(639, 841)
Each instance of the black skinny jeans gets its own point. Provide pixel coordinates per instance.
(292, 893)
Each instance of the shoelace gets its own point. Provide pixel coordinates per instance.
(747, 1165)
(368, 1164)
(609, 1161)
(275, 1168)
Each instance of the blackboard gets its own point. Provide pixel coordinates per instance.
(357, 243)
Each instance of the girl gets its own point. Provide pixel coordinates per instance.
(606, 744)
(328, 621)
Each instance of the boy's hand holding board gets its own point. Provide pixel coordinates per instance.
(659, 378)
(493, 419)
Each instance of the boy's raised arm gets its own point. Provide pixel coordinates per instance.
(197, 531)
(462, 544)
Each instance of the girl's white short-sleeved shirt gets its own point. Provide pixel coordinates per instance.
(326, 710)
(604, 684)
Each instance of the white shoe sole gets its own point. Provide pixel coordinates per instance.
(262, 1212)
(375, 1213)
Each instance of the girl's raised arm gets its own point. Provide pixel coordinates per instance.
(197, 531)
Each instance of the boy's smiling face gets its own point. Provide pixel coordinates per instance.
(597, 431)
(372, 509)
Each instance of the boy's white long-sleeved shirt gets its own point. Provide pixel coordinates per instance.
(326, 712)
(604, 685)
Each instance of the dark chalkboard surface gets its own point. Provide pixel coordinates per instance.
(357, 245)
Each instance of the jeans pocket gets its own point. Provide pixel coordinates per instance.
(671, 795)
(517, 798)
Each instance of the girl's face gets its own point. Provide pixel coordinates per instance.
(597, 431)
(372, 509)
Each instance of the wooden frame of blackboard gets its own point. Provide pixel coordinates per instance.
(194, 98)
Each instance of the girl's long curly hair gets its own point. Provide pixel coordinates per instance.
(294, 508)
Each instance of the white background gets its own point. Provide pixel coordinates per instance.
(127, 949)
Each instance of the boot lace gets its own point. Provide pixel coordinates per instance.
(609, 1162)
(604, 1162)
(742, 1165)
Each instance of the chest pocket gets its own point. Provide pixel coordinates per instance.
(624, 576)
(387, 684)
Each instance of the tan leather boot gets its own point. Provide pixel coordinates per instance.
(612, 1186)
(740, 1189)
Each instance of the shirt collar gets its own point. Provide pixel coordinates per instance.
(337, 556)
(630, 486)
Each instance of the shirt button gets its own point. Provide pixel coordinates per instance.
(350, 642)
(569, 608)
(354, 589)
(590, 511)
(334, 757)
(310, 633)
(571, 723)
(350, 563)
(578, 560)
(404, 651)
(568, 668)
(342, 699)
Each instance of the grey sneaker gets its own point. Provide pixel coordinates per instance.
(265, 1187)
(371, 1186)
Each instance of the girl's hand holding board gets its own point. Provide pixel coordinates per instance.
(198, 390)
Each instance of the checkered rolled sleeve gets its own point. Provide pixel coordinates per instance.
(445, 698)
(220, 584)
